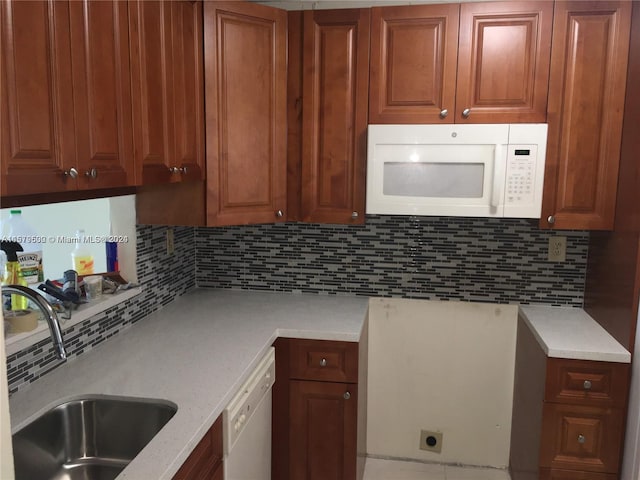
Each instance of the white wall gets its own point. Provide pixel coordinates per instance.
(443, 366)
(631, 462)
(6, 451)
(63, 219)
(93, 216)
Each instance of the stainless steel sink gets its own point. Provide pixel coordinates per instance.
(90, 438)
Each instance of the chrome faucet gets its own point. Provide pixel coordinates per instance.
(49, 313)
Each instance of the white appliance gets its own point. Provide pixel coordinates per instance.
(247, 425)
(456, 170)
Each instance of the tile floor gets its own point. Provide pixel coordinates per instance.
(378, 469)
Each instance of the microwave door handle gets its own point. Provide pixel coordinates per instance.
(498, 177)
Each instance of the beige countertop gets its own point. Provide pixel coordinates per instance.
(572, 333)
(195, 353)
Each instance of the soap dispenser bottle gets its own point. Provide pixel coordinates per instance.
(13, 274)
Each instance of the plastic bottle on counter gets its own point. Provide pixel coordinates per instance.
(30, 258)
(81, 257)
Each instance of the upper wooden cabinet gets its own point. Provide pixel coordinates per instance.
(102, 93)
(413, 64)
(586, 102)
(167, 82)
(245, 76)
(474, 63)
(334, 115)
(65, 128)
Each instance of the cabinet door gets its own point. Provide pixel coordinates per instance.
(37, 100)
(102, 93)
(188, 88)
(245, 86)
(335, 91)
(323, 430)
(152, 88)
(503, 62)
(586, 102)
(413, 64)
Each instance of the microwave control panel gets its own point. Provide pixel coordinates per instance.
(521, 172)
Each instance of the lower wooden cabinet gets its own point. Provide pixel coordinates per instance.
(568, 415)
(323, 429)
(205, 462)
(318, 411)
(547, 474)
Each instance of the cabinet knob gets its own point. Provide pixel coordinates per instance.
(466, 112)
(279, 213)
(93, 173)
(354, 215)
(581, 439)
(323, 362)
(587, 385)
(551, 219)
(444, 113)
(72, 172)
(346, 395)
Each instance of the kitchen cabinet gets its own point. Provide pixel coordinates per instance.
(473, 63)
(586, 103)
(318, 410)
(66, 100)
(205, 462)
(245, 82)
(334, 115)
(168, 90)
(568, 415)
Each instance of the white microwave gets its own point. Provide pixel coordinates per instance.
(456, 170)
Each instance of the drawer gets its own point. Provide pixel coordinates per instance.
(323, 360)
(577, 437)
(548, 474)
(587, 383)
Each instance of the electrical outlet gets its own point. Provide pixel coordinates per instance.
(431, 441)
(170, 242)
(557, 249)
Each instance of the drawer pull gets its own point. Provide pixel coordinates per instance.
(581, 439)
(587, 385)
(323, 362)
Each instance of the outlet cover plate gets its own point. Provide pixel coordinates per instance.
(431, 441)
(557, 249)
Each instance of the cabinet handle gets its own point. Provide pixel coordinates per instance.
(587, 385)
(354, 215)
(183, 170)
(581, 439)
(444, 113)
(72, 172)
(174, 170)
(346, 395)
(93, 173)
(279, 213)
(323, 362)
(551, 219)
(466, 112)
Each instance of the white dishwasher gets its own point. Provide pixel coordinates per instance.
(247, 425)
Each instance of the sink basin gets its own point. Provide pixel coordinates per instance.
(90, 438)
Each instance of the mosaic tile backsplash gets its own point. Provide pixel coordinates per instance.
(439, 258)
(443, 258)
(162, 277)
